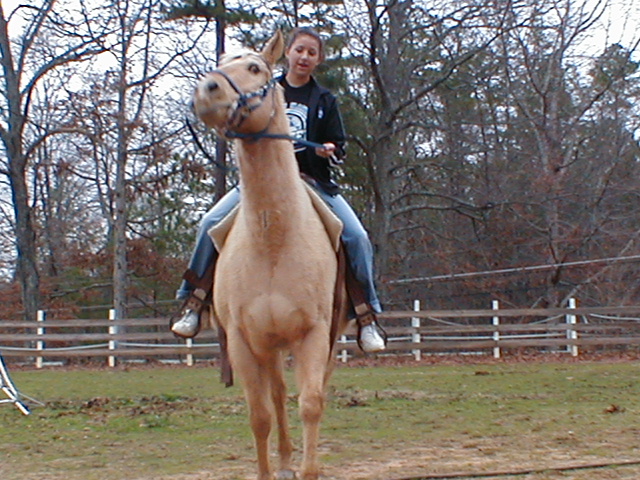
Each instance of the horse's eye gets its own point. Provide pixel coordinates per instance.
(254, 68)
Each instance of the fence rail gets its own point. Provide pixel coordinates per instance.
(411, 332)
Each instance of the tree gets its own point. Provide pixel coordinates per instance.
(26, 61)
(405, 51)
(555, 105)
(480, 137)
(139, 32)
(522, 169)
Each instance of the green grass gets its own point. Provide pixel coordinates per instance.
(148, 423)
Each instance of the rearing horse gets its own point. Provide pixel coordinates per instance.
(275, 277)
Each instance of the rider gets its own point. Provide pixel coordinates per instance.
(313, 115)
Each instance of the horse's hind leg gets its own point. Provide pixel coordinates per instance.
(256, 385)
(279, 397)
(311, 364)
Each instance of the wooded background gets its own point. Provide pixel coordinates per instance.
(493, 145)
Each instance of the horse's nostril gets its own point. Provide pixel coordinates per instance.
(212, 86)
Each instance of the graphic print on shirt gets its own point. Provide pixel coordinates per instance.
(298, 113)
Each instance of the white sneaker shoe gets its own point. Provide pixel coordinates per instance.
(188, 325)
(370, 339)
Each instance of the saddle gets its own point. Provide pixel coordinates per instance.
(331, 222)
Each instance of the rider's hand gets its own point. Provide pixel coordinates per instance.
(327, 150)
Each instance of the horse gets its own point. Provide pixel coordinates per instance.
(275, 279)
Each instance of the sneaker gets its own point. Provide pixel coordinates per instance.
(370, 339)
(188, 325)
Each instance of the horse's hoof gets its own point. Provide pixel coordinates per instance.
(311, 476)
(286, 475)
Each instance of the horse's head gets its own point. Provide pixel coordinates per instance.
(239, 96)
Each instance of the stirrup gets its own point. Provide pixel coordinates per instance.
(365, 315)
(198, 301)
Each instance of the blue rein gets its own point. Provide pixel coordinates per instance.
(243, 103)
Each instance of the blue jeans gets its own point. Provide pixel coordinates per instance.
(354, 237)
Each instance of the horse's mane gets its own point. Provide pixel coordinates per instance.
(229, 57)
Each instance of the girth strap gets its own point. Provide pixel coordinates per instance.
(338, 298)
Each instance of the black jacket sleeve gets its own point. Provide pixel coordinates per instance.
(333, 128)
(324, 124)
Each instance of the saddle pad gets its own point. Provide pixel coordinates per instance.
(332, 224)
(219, 232)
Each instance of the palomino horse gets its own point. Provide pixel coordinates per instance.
(276, 275)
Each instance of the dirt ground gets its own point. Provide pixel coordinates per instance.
(527, 458)
(453, 463)
(546, 459)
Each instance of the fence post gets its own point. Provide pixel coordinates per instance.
(112, 331)
(41, 317)
(415, 336)
(572, 334)
(189, 355)
(344, 354)
(495, 305)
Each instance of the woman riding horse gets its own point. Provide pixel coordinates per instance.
(313, 115)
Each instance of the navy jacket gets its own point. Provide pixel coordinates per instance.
(323, 125)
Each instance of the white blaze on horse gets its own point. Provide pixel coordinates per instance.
(275, 279)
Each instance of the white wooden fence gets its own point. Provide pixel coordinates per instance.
(411, 333)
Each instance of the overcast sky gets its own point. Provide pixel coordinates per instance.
(620, 22)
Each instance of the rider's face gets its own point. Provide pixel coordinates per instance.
(303, 55)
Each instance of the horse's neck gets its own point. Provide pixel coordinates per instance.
(272, 193)
(269, 172)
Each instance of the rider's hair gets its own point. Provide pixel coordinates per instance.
(296, 32)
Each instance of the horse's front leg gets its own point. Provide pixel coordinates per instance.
(279, 397)
(256, 385)
(312, 358)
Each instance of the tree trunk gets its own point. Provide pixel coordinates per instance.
(27, 269)
(385, 63)
(221, 145)
(120, 191)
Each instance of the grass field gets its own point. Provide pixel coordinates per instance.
(382, 423)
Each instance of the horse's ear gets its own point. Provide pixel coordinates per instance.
(274, 49)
